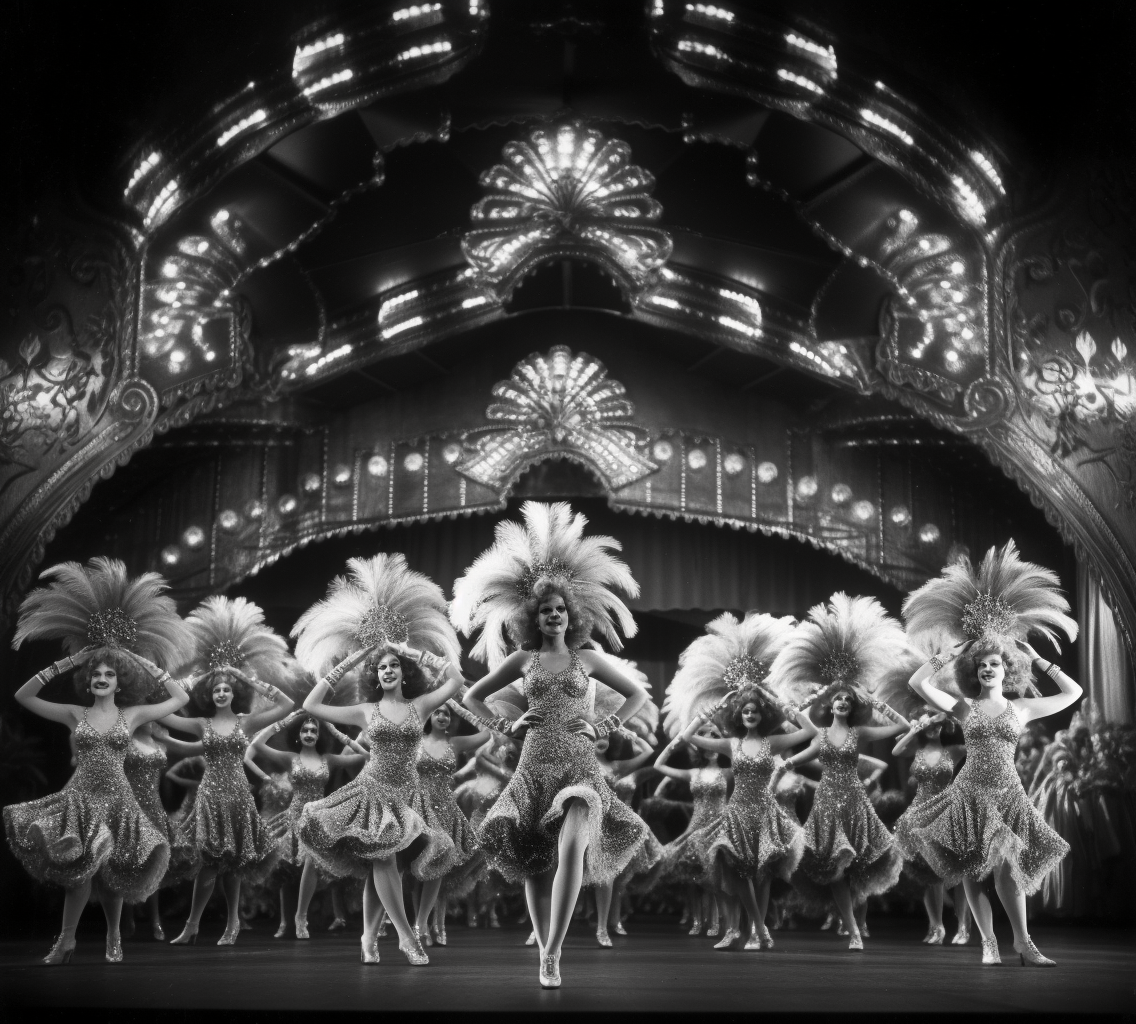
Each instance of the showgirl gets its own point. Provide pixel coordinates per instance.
(557, 825)
(395, 620)
(756, 840)
(983, 824)
(844, 647)
(231, 838)
(93, 832)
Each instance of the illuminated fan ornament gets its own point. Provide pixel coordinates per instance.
(566, 190)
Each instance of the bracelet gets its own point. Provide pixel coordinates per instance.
(335, 674)
(42, 678)
(936, 662)
(608, 725)
(1053, 671)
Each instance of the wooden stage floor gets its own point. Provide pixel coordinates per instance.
(656, 968)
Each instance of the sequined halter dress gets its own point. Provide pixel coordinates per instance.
(309, 783)
(144, 767)
(843, 835)
(984, 817)
(930, 780)
(373, 817)
(226, 828)
(93, 828)
(684, 857)
(651, 852)
(521, 832)
(756, 838)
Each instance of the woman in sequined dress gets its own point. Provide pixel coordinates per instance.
(437, 762)
(683, 861)
(232, 840)
(558, 824)
(848, 850)
(932, 770)
(983, 824)
(145, 764)
(93, 831)
(363, 826)
(308, 771)
(756, 841)
(623, 777)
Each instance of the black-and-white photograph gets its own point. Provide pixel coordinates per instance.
(589, 506)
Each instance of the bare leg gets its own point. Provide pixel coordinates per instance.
(388, 885)
(426, 904)
(694, 908)
(962, 913)
(202, 891)
(309, 879)
(372, 912)
(112, 910)
(337, 908)
(933, 902)
(538, 897)
(843, 897)
(73, 903)
(615, 914)
(569, 874)
(980, 907)
(155, 918)
(231, 887)
(1014, 901)
(603, 911)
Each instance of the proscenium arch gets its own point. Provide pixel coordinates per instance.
(747, 56)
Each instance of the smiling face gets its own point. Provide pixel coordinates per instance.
(991, 671)
(309, 734)
(389, 672)
(552, 616)
(104, 680)
(440, 719)
(751, 715)
(842, 703)
(222, 693)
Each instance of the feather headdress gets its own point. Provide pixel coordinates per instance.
(851, 641)
(549, 547)
(729, 656)
(607, 701)
(100, 605)
(893, 690)
(232, 631)
(380, 600)
(1003, 600)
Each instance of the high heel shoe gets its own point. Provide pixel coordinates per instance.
(229, 936)
(186, 937)
(712, 932)
(936, 937)
(727, 940)
(440, 934)
(531, 940)
(368, 951)
(159, 932)
(766, 938)
(114, 950)
(1028, 953)
(603, 938)
(856, 941)
(302, 928)
(337, 925)
(962, 937)
(281, 932)
(753, 942)
(550, 971)
(696, 927)
(60, 953)
(990, 951)
(414, 953)
(618, 928)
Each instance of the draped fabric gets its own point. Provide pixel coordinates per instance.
(1106, 663)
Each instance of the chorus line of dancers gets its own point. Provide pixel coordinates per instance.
(771, 694)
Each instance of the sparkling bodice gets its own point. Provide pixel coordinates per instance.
(708, 787)
(224, 775)
(144, 767)
(99, 756)
(839, 779)
(751, 772)
(394, 748)
(559, 696)
(437, 768)
(931, 778)
(623, 786)
(990, 746)
(308, 782)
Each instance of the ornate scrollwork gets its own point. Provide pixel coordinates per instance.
(559, 405)
(566, 189)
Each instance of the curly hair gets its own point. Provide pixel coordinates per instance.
(771, 717)
(414, 681)
(428, 725)
(1016, 663)
(133, 683)
(821, 711)
(526, 633)
(323, 743)
(201, 696)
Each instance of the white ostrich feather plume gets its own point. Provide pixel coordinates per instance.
(551, 545)
(729, 655)
(379, 600)
(851, 639)
(100, 604)
(232, 631)
(1003, 599)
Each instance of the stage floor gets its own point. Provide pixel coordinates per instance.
(656, 968)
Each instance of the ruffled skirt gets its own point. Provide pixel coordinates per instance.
(967, 831)
(442, 814)
(846, 840)
(365, 821)
(520, 834)
(759, 842)
(231, 837)
(70, 838)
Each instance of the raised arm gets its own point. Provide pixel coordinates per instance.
(690, 735)
(661, 765)
(28, 695)
(259, 745)
(462, 744)
(1031, 708)
(314, 705)
(510, 669)
(881, 732)
(178, 696)
(877, 766)
(283, 703)
(643, 752)
(428, 703)
(345, 740)
(175, 746)
(905, 741)
(810, 753)
(174, 774)
(921, 683)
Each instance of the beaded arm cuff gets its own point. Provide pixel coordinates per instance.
(608, 725)
(495, 724)
(335, 674)
(887, 711)
(936, 662)
(344, 739)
